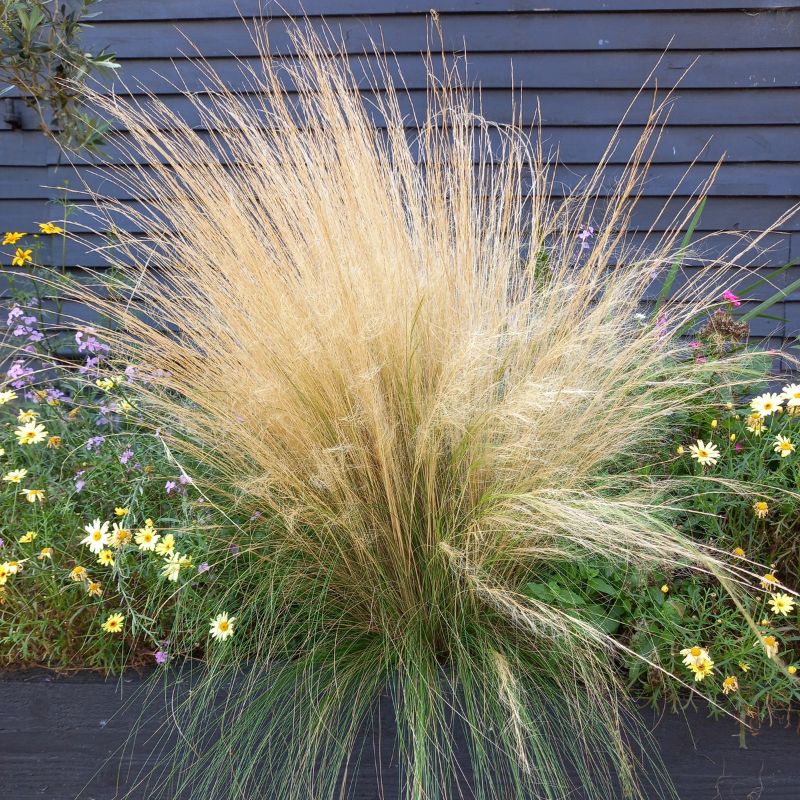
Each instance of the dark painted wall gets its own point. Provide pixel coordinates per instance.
(81, 738)
(582, 60)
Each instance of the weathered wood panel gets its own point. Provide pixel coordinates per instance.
(82, 738)
(576, 66)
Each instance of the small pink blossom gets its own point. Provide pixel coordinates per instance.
(738, 447)
(700, 360)
(731, 298)
(695, 345)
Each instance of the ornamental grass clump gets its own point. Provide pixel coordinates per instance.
(427, 383)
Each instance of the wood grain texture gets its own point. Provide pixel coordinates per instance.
(89, 739)
(575, 65)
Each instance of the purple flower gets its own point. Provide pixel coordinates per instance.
(256, 515)
(234, 549)
(90, 344)
(204, 567)
(79, 484)
(170, 486)
(92, 364)
(185, 479)
(15, 312)
(95, 443)
(3, 544)
(19, 374)
(126, 456)
(584, 236)
(130, 374)
(161, 657)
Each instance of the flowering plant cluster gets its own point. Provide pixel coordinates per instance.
(102, 536)
(686, 624)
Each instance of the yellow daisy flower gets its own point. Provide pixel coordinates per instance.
(28, 537)
(54, 442)
(694, 654)
(31, 433)
(49, 227)
(755, 424)
(221, 627)
(119, 535)
(166, 545)
(761, 509)
(7, 396)
(78, 574)
(96, 536)
(770, 645)
(34, 495)
(12, 237)
(766, 404)
(114, 623)
(768, 581)
(15, 475)
(45, 552)
(702, 669)
(782, 604)
(146, 537)
(706, 454)
(783, 445)
(94, 588)
(730, 684)
(105, 558)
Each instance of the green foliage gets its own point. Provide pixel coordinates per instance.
(42, 57)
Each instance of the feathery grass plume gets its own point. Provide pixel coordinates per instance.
(392, 345)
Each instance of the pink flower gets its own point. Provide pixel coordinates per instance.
(738, 447)
(695, 345)
(700, 360)
(731, 298)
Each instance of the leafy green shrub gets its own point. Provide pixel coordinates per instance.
(41, 55)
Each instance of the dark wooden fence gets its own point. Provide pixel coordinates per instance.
(736, 64)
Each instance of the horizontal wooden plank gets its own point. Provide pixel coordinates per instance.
(94, 251)
(404, 33)
(773, 69)
(733, 180)
(712, 69)
(64, 737)
(678, 145)
(721, 213)
(191, 9)
(716, 108)
(574, 145)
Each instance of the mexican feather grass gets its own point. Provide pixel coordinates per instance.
(390, 343)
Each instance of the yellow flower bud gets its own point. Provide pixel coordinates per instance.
(714, 423)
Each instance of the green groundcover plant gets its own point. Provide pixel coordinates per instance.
(393, 416)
